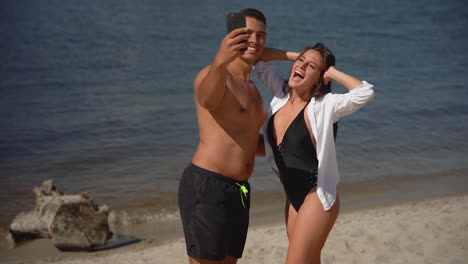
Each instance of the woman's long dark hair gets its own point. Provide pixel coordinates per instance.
(328, 60)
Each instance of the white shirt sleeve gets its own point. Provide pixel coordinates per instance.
(345, 104)
(272, 80)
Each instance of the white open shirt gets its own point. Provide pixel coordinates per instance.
(322, 113)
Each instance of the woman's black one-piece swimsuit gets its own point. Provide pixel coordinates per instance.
(296, 159)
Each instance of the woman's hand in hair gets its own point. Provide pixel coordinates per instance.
(328, 75)
(348, 81)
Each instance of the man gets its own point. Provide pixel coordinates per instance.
(214, 195)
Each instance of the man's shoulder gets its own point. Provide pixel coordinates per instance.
(201, 74)
(204, 70)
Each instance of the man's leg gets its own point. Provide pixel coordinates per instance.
(227, 260)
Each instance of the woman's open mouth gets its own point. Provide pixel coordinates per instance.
(298, 76)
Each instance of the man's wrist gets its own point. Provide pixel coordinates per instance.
(219, 64)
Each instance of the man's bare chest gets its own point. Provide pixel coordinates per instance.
(245, 100)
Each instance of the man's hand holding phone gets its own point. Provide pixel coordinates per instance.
(231, 46)
(236, 20)
(235, 42)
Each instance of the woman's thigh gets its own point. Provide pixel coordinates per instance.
(290, 217)
(311, 228)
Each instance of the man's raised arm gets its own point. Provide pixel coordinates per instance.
(270, 54)
(210, 83)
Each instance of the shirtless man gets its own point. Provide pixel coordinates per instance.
(214, 195)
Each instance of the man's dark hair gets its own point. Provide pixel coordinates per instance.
(257, 14)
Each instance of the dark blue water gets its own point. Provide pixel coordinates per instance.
(97, 95)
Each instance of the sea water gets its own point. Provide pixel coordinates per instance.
(98, 96)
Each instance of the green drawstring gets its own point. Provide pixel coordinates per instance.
(242, 190)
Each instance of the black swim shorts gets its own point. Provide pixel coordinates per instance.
(215, 213)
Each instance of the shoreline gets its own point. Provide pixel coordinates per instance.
(355, 233)
(161, 223)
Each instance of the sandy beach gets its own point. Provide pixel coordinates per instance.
(426, 231)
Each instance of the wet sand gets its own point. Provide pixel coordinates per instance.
(425, 231)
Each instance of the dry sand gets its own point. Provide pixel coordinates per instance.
(429, 231)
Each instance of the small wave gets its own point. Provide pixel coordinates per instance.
(117, 218)
(7, 241)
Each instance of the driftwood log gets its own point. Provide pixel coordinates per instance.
(73, 222)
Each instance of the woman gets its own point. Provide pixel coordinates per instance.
(299, 144)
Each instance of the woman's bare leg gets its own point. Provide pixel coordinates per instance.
(311, 228)
(290, 217)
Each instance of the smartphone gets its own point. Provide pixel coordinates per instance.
(236, 20)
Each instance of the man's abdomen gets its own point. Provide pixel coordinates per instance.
(226, 157)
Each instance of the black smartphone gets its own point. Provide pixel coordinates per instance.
(236, 20)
